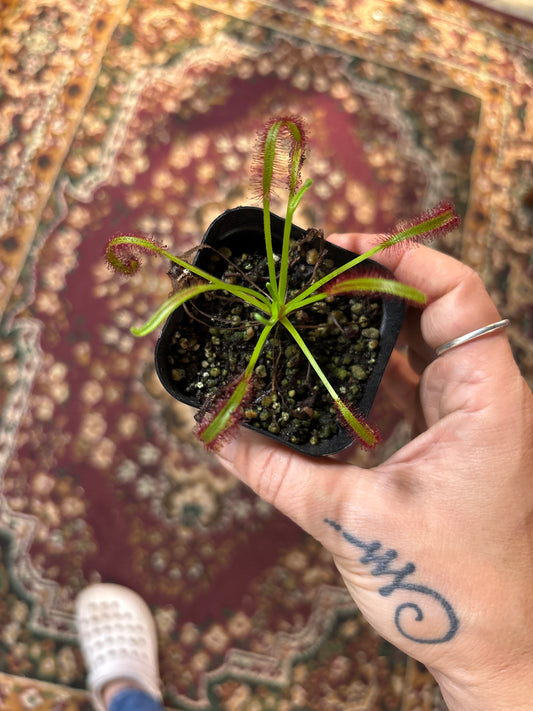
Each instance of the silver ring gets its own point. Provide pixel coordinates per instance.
(472, 336)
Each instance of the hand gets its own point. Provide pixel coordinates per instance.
(435, 544)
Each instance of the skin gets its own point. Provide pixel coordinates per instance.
(445, 525)
(116, 687)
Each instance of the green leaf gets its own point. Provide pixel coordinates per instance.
(377, 285)
(366, 433)
(172, 303)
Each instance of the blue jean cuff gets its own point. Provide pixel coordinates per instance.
(134, 700)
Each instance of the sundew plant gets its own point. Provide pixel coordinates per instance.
(274, 307)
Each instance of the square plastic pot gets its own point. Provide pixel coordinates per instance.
(242, 229)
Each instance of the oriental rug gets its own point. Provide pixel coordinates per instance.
(141, 115)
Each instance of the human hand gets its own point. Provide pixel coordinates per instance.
(435, 544)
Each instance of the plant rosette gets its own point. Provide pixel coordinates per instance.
(204, 346)
(271, 326)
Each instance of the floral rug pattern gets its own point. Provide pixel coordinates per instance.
(142, 115)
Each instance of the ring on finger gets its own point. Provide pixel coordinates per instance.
(472, 336)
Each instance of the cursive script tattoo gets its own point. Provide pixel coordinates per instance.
(381, 560)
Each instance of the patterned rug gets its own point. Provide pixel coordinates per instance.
(141, 115)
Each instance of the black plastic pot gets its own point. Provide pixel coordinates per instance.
(242, 229)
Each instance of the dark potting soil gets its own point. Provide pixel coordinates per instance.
(215, 339)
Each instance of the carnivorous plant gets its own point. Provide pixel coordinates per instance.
(274, 307)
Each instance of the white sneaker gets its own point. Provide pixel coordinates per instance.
(118, 639)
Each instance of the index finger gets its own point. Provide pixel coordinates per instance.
(457, 299)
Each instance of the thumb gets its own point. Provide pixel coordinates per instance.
(305, 489)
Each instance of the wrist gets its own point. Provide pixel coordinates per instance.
(506, 690)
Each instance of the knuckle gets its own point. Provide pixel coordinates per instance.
(269, 478)
(272, 478)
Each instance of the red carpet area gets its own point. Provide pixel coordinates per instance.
(142, 115)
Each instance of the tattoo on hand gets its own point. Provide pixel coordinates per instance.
(382, 566)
